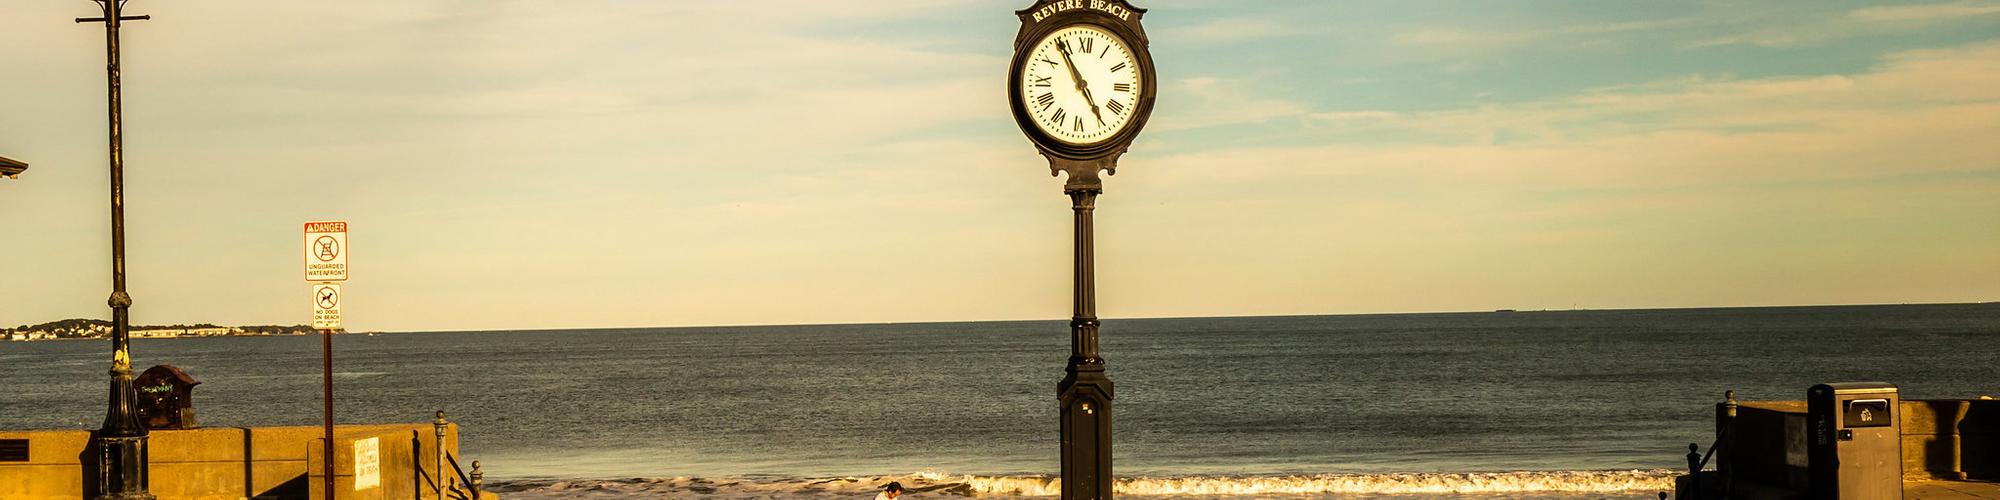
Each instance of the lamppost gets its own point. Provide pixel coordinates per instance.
(121, 442)
(1082, 85)
(11, 168)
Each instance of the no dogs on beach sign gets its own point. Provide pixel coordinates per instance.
(326, 251)
(326, 306)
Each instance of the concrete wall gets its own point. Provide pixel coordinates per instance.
(408, 462)
(1769, 445)
(233, 462)
(1942, 439)
(54, 468)
(1951, 439)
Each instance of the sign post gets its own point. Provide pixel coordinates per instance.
(326, 268)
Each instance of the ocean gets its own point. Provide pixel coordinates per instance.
(1532, 404)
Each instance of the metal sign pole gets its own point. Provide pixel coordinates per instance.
(326, 358)
(326, 268)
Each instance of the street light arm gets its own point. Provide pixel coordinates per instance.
(147, 17)
(11, 167)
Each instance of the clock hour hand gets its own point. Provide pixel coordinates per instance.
(1081, 86)
(1093, 105)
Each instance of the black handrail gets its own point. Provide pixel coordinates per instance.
(1698, 461)
(1711, 454)
(473, 486)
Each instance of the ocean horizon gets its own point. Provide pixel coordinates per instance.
(1529, 404)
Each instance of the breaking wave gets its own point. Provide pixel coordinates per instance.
(1523, 484)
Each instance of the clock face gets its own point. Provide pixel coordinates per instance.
(1080, 84)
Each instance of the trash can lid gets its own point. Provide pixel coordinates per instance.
(1857, 388)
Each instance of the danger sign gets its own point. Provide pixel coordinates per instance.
(326, 306)
(326, 251)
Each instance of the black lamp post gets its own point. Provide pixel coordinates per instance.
(121, 442)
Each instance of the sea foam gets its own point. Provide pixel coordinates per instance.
(1520, 484)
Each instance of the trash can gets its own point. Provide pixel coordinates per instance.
(166, 398)
(1855, 444)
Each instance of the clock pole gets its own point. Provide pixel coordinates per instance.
(1059, 30)
(120, 444)
(1085, 390)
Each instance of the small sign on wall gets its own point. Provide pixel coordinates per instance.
(367, 463)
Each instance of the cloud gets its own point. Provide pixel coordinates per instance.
(1798, 29)
(1768, 39)
(1925, 12)
(1207, 101)
(1461, 39)
(1231, 29)
(1916, 111)
(583, 137)
(532, 164)
(1432, 37)
(1866, 187)
(1356, 116)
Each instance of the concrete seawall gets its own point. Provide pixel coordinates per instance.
(235, 462)
(1943, 444)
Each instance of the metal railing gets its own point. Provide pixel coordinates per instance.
(470, 481)
(1725, 424)
(459, 485)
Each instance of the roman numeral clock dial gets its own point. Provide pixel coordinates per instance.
(1080, 84)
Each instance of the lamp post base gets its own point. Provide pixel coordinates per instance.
(122, 468)
(121, 442)
(1086, 431)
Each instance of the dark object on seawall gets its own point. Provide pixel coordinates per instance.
(166, 398)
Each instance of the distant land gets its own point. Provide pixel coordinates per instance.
(78, 328)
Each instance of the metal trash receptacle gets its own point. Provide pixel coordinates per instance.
(1855, 444)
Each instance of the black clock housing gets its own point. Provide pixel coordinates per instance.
(1119, 18)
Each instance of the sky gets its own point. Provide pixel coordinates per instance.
(596, 163)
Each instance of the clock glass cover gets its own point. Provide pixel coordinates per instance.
(1080, 84)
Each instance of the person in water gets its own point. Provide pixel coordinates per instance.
(890, 492)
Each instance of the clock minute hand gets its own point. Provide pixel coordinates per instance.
(1093, 105)
(1081, 86)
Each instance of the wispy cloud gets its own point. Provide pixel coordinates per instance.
(1233, 29)
(1207, 101)
(1926, 12)
(662, 163)
(1805, 28)
(1459, 39)
(1918, 111)
(1768, 183)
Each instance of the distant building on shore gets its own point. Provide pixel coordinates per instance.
(79, 328)
(184, 332)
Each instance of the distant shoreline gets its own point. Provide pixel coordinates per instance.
(87, 329)
(60, 339)
(1145, 318)
(94, 329)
